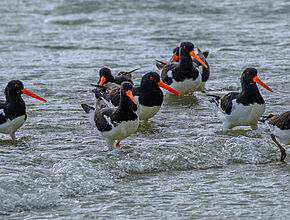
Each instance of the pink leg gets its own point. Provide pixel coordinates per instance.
(283, 152)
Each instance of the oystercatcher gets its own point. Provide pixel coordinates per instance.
(202, 55)
(279, 126)
(106, 76)
(115, 123)
(183, 76)
(13, 110)
(148, 95)
(242, 108)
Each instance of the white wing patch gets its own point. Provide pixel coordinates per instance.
(108, 103)
(2, 112)
(108, 119)
(169, 74)
(137, 99)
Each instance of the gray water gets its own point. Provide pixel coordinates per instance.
(180, 165)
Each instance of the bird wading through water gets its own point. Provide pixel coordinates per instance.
(13, 110)
(106, 76)
(148, 95)
(115, 124)
(279, 126)
(242, 108)
(202, 55)
(183, 76)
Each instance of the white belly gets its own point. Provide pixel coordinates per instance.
(283, 135)
(243, 115)
(145, 112)
(12, 126)
(186, 86)
(123, 130)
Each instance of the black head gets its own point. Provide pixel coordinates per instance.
(188, 46)
(126, 90)
(105, 76)
(14, 89)
(126, 86)
(150, 79)
(176, 51)
(249, 77)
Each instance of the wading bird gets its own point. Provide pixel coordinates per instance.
(242, 108)
(13, 110)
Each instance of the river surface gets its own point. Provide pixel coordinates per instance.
(181, 165)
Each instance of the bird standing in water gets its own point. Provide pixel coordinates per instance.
(202, 55)
(13, 110)
(148, 95)
(279, 126)
(117, 123)
(106, 76)
(183, 76)
(242, 108)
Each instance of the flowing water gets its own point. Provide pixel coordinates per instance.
(180, 165)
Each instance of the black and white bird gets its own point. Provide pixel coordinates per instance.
(106, 76)
(115, 124)
(183, 75)
(205, 73)
(279, 126)
(13, 110)
(242, 108)
(148, 95)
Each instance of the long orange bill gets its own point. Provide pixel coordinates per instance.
(26, 92)
(103, 80)
(197, 58)
(130, 95)
(174, 58)
(257, 80)
(163, 85)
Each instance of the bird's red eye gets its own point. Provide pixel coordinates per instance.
(16, 85)
(184, 47)
(122, 87)
(248, 73)
(151, 78)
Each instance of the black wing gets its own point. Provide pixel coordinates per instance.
(110, 92)
(164, 74)
(226, 102)
(100, 121)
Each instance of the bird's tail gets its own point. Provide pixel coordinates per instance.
(91, 111)
(160, 64)
(87, 108)
(215, 100)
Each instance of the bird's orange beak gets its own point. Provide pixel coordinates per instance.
(257, 80)
(26, 92)
(103, 80)
(197, 58)
(130, 95)
(174, 58)
(165, 86)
